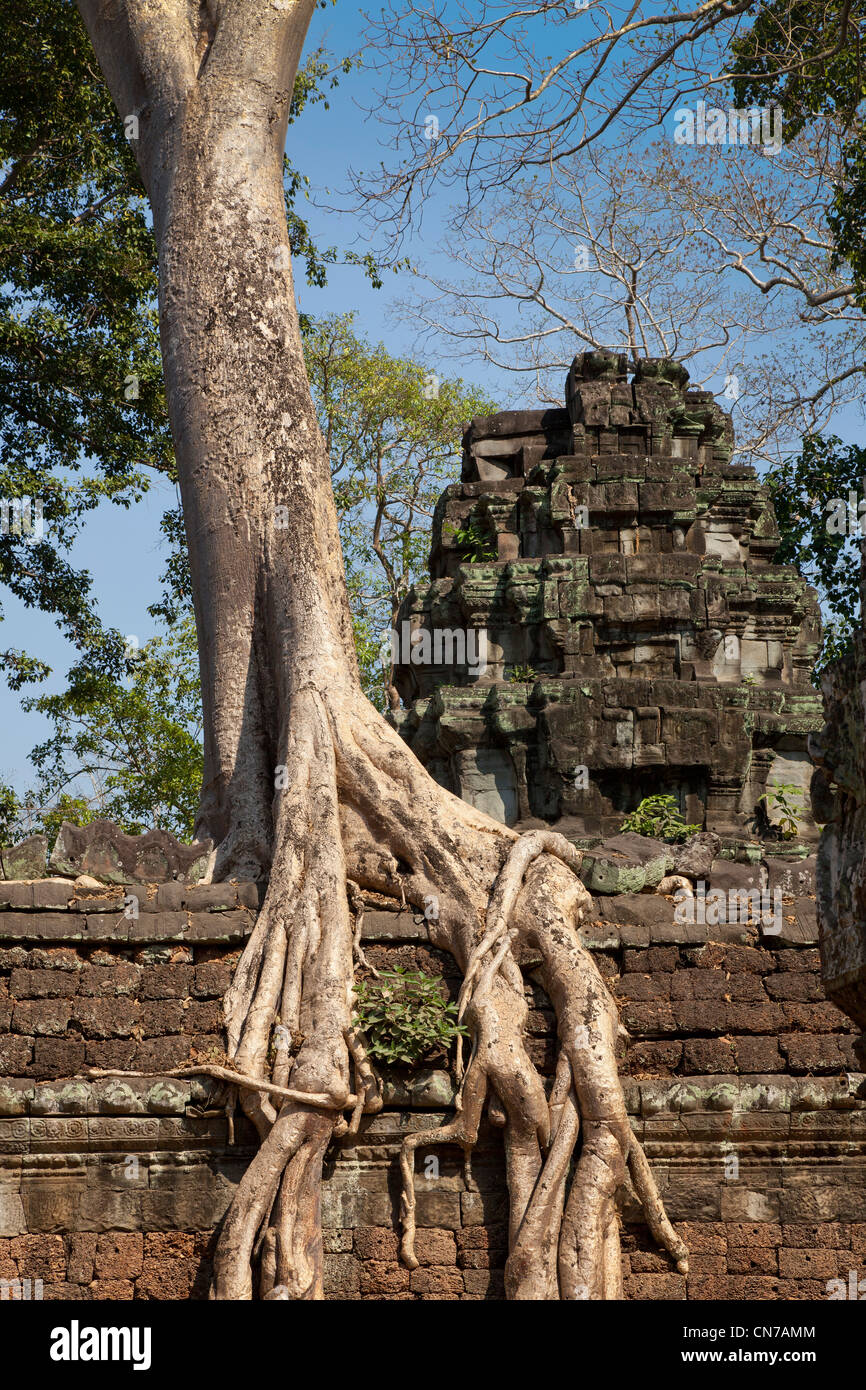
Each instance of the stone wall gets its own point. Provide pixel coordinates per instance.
(839, 798)
(740, 1078)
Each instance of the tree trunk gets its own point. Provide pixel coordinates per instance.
(304, 782)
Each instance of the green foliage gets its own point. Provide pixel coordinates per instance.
(315, 79)
(787, 800)
(84, 420)
(394, 444)
(473, 542)
(659, 818)
(807, 59)
(521, 673)
(77, 308)
(20, 817)
(76, 809)
(10, 815)
(134, 737)
(801, 489)
(404, 1018)
(131, 729)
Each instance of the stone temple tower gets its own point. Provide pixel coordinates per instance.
(639, 636)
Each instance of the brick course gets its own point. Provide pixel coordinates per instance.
(714, 1025)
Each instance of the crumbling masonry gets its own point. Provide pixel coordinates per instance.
(632, 599)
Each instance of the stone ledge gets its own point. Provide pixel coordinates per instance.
(779, 1094)
(61, 909)
(229, 926)
(428, 1089)
(102, 849)
(432, 1089)
(394, 926)
(610, 936)
(774, 1204)
(86, 896)
(28, 1141)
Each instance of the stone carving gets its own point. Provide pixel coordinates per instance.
(839, 799)
(632, 598)
(28, 859)
(103, 850)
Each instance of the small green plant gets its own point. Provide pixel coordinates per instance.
(659, 817)
(750, 679)
(473, 543)
(521, 673)
(783, 798)
(404, 1018)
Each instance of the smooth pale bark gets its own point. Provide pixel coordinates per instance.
(304, 781)
(270, 601)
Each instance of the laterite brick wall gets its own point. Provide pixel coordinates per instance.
(741, 1080)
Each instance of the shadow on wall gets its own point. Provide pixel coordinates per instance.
(488, 781)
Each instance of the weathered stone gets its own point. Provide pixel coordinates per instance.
(52, 892)
(626, 864)
(626, 561)
(102, 850)
(694, 858)
(423, 1089)
(640, 909)
(394, 926)
(839, 791)
(119, 1256)
(436, 1283)
(341, 1274)
(434, 1247)
(227, 926)
(82, 1250)
(726, 875)
(34, 926)
(795, 877)
(26, 860)
(16, 894)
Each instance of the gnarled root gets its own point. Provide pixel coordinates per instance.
(559, 1248)
(361, 801)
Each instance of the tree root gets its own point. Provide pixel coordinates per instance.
(368, 817)
(249, 1083)
(559, 1248)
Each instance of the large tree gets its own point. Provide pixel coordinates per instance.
(304, 781)
(82, 404)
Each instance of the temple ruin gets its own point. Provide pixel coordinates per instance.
(636, 624)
